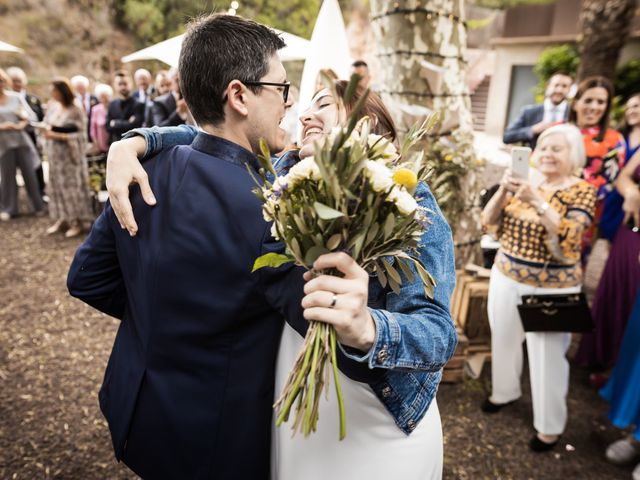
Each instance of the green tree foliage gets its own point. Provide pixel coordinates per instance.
(560, 58)
(156, 20)
(627, 80)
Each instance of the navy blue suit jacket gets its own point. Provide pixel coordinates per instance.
(519, 131)
(190, 382)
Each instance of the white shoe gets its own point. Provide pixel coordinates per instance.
(4, 217)
(635, 475)
(621, 452)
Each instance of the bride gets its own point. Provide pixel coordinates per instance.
(393, 425)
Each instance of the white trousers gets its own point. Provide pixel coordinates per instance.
(548, 365)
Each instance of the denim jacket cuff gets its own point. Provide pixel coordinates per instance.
(358, 355)
(385, 348)
(150, 139)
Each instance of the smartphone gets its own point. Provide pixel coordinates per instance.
(520, 162)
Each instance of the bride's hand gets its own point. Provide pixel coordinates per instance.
(123, 169)
(341, 302)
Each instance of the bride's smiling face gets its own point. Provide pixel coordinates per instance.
(318, 120)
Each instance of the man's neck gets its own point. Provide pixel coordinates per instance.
(229, 134)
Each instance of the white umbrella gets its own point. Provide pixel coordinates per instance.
(6, 47)
(168, 51)
(329, 49)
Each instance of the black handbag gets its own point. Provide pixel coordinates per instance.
(556, 313)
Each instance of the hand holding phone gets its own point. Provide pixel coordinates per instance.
(520, 162)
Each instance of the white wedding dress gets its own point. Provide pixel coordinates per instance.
(374, 447)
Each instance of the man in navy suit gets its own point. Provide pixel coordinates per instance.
(170, 109)
(125, 113)
(190, 382)
(535, 119)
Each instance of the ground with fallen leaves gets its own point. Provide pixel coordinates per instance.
(53, 351)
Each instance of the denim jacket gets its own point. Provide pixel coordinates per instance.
(415, 336)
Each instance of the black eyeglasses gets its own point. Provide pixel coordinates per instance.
(285, 87)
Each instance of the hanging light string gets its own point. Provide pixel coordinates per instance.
(423, 54)
(425, 95)
(430, 13)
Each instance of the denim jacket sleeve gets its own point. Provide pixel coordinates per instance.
(414, 332)
(159, 138)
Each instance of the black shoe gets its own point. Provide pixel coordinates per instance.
(489, 407)
(538, 445)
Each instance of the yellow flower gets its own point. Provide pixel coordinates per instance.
(405, 177)
(448, 157)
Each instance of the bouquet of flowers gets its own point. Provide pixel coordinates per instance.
(356, 194)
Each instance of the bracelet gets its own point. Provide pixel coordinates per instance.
(543, 208)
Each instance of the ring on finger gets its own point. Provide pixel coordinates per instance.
(334, 300)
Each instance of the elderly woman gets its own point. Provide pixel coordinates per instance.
(98, 130)
(540, 228)
(69, 204)
(16, 151)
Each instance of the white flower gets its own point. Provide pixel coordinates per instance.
(304, 169)
(274, 231)
(379, 175)
(381, 146)
(404, 201)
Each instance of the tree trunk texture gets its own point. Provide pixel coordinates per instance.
(421, 46)
(604, 29)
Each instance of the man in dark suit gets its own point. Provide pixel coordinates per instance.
(170, 109)
(535, 119)
(145, 92)
(125, 113)
(190, 381)
(19, 82)
(80, 85)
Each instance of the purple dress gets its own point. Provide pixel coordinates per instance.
(614, 299)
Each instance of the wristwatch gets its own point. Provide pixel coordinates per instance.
(543, 208)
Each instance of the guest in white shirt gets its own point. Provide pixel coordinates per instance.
(84, 98)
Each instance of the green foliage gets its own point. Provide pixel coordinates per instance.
(560, 58)
(156, 20)
(449, 161)
(627, 80)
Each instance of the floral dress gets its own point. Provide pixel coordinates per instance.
(68, 177)
(605, 159)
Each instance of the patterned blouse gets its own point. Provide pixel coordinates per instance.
(528, 254)
(605, 159)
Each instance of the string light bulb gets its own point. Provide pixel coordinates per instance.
(235, 5)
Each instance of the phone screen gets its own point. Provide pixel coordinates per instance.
(520, 161)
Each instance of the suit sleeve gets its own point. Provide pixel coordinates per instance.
(519, 130)
(162, 118)
(158, 113)
(95, 276)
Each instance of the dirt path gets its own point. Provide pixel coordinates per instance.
(53, 351)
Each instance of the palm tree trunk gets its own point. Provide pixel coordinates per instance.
(604, 29)
(422, 50)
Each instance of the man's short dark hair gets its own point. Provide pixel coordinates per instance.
(216, 50)
(121, 73)
(359, 63)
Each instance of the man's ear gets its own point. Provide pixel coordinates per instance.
(236, 94)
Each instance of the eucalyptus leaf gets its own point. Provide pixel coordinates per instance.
(313, 253)
(389, 223)
(273, 260)
(325, 212)
(373, 231)
(334, 241)
(404, 266)
(391, 272)
(265, 157)
(382, 278)
(394, 285)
